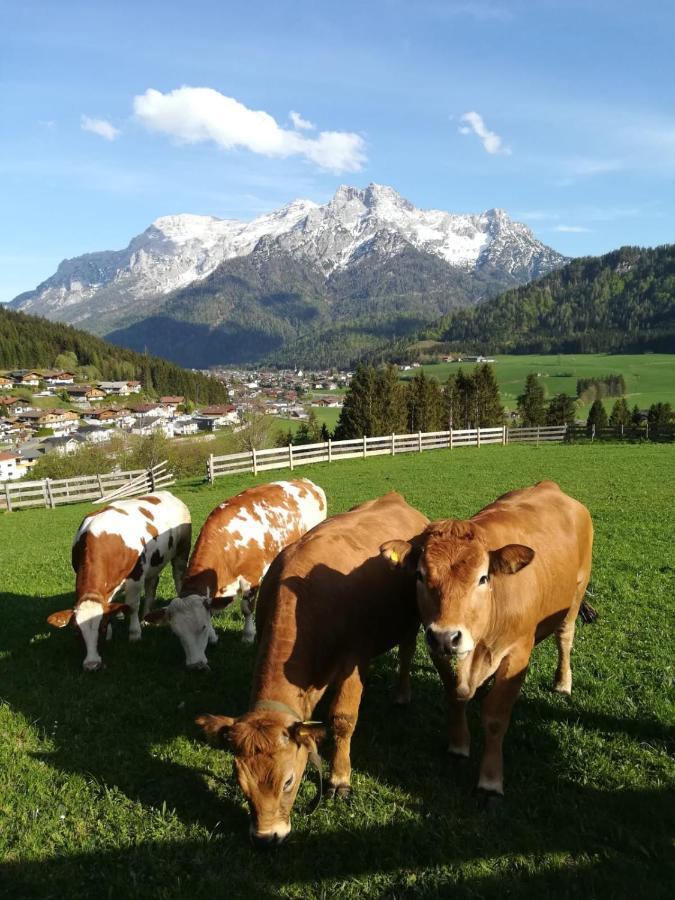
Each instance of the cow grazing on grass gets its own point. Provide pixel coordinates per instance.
(488, 589)
(327, 606)
(124, 546)
(236, 546)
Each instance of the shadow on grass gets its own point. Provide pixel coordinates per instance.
(553, 836)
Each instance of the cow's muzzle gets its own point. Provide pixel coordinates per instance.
(448, 642)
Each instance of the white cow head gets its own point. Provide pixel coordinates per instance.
(190, 620)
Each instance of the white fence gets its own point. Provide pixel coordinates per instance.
(97, 488)
(389, 445)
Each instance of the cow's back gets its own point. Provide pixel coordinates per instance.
(331, 593)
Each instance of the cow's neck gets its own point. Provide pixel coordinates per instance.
(208, 574)
(99, 578)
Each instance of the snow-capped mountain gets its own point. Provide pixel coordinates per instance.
(177, 251)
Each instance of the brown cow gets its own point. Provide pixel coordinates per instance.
(327, 606)
(235, 548)
(488, 589)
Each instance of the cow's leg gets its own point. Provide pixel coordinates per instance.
(344, 713)
(459, 736)
(150, 592)
(132, 592)
(179, 565)
(496, 715)
(406, 652)
(248, 609)
(565, 638)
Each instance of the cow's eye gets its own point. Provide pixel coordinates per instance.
(420, 575)
(288, 784)
(483, 579)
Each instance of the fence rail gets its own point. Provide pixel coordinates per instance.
(291, 457)
(52, 492)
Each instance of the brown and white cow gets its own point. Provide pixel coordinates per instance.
(239, 540)
(327, 606)
(488, 590)
(124, 546)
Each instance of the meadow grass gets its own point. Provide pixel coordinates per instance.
(650, 377)
(106, 789)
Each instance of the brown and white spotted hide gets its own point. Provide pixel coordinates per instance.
(124, 547)
(236, 546)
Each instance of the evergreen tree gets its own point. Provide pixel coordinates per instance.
(424, 403)
(531, 405)
(466, 390)
(659, 414)
(325, 433)
(635, 416)
(450, 403)
(597, 415)
(620, 414)
(390, 402)
(489, 409)
(358, 416)
(561, 410)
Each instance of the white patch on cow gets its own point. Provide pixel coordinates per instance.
(88, 616)
(190, 621)
(230, 590)
(491, 784)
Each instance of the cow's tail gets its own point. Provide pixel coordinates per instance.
(587, 612)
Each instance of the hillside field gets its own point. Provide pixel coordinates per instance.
(106, 789)
(650, 377)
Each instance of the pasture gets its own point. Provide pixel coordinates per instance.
(650, 377)
(107, 791)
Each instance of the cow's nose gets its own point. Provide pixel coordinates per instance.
(265, 841)
(443, 641)
(432, 638)
(453, 639)
(197, 666)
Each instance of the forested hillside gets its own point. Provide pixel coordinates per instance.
(30, 341)
(623, 301)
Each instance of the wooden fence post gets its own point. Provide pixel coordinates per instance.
(393, 444)
(210, 473)
(8, 497)
(419, 441)
(100, 484)
(365, 446)
(50, 496)
(290, 455)
(538, 427)
(478, 436)
(451, 438)
(504, 436)
(330, 450)
(255, 461)
(622, 431)
(592, 432)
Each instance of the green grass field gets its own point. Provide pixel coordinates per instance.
(650, 377)
(107, 791)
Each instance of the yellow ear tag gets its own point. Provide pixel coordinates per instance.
(393, 556)
(310, 722)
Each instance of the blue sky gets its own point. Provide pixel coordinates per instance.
(560, 112)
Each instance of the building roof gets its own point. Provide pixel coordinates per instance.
(7, 455)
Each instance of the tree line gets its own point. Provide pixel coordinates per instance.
(597, 388)
(33, 342)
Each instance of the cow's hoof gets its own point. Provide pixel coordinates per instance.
(247, 638)
(458, 756)
(564, 689)
(341, 791)
(490, 802)
(93, 666)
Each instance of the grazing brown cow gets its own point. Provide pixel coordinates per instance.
(327, 606)
(124, 546)
(239, 540)
(488, 589)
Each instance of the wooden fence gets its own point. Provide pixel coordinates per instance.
(662, 434)
(97, 488)
(388, 445)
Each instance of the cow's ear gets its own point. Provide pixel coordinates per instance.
(114, 608)
(60, 619)
(401, 555)
(157, 616)
(216, 728)
(307, 733)
(511, 558)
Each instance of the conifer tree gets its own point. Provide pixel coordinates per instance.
(391, 402)
(489, 409)
(531, 406)
(358, 415)
(597, 415)
(620, 414)
(425, 404)
(561, 410)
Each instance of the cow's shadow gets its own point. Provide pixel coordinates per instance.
(113, 725)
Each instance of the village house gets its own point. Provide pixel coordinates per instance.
(213, 417)
(328, 402)
(6, 384)
(63, 444)
(84, 393)
(183, 425)
(95, 434)
(61, 421)
(15, 405)
(171, 404)
(59, 378)
(26, 378)
(9, 466)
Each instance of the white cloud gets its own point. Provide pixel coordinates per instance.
(192, 115)
(100, 127)
(572, 229)
(475, 125)
(299, 123)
